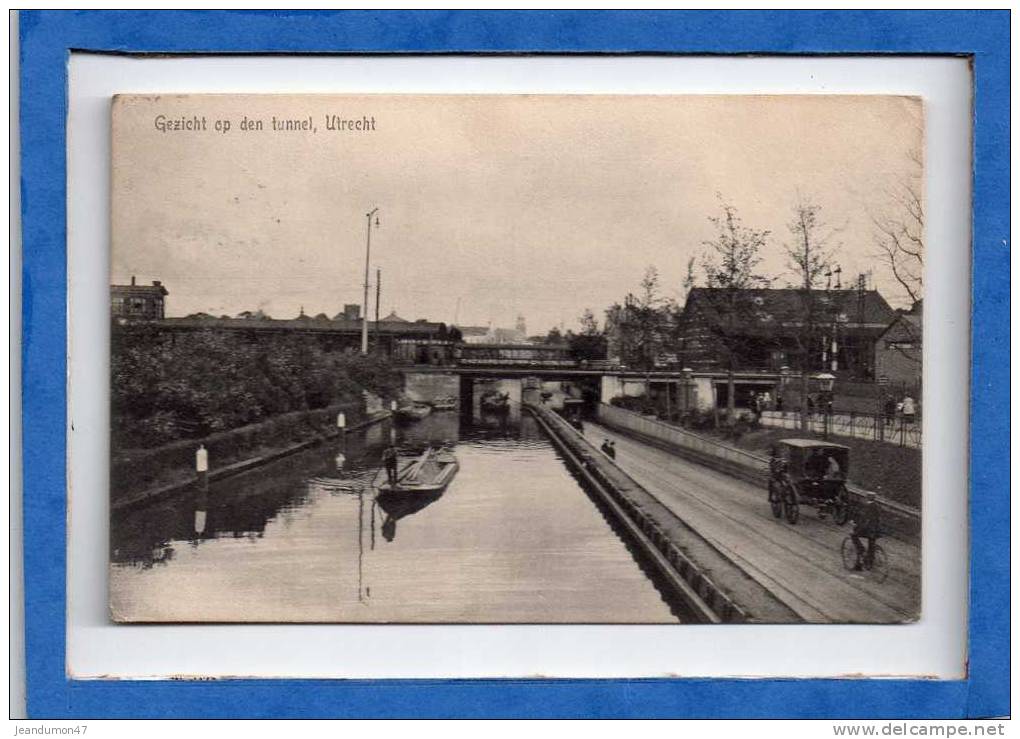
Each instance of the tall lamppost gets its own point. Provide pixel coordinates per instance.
(368, 252)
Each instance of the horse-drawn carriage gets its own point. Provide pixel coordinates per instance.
(812, 473)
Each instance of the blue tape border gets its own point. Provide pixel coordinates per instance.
(46, 40)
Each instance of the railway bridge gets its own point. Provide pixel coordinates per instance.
(523, 373)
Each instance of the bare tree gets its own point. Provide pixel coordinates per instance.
(689, 279)
(899, 235)
(730, 265)
(899, 243)
(809, 252)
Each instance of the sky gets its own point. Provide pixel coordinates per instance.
(489, 206)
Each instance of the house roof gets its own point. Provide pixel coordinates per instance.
(913, 321)
(761, 310)
(306, 324)
(139, 290)
(393, 318)
(473, 330)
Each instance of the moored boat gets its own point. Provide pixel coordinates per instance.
(495, 402)
(449, 403)
(430, 473)
(414, 411)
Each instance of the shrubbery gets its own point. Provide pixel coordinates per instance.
(636, 403)
(166, 388)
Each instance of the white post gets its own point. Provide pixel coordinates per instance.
(202, 467)
(341, 423)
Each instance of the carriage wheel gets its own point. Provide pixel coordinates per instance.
(775, 500)
(792, 510)
(849, 552)
(841, 511)
(879, 564)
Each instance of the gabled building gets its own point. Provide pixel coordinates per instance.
(899, 349)
(141, 302)
(768, 329)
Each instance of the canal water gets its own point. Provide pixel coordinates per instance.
(513, 539)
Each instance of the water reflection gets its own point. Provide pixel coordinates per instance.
(396, 506)
(513, 539)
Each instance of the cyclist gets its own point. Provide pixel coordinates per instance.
(867, 525)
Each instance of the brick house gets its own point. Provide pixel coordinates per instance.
(142, 302)
(767, 329)
(899, 350)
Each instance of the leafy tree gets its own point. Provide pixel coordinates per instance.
(555, 336)
(640, 326)
(590, 342)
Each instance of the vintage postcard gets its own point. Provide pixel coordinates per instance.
(516, 359)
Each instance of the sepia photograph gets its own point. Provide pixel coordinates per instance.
(494, 359)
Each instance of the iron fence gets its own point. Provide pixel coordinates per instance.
(900, 430)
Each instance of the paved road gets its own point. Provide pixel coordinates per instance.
(800, 564)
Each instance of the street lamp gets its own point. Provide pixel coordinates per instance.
(368, 251)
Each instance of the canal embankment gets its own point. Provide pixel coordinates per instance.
(899, 519)
(138, 476)
(713, 588)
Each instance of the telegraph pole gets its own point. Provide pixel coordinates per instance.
(378, 289)
(368, 252)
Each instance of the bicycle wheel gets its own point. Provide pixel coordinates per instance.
(849, 552)
(790, 507)
(775, 500)
(841, 513)
(879, 564)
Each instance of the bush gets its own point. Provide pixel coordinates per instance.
(699, 419)
(187, 386)
(635, 403)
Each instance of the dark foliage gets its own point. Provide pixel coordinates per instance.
(165, 389)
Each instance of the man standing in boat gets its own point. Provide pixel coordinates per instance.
(389, 456)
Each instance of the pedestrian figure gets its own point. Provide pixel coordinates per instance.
(612, 449)
(833, 470)
(779, 402)
(607, 449)
(390, 460)
(908, 409)
(867, 525)
(889, 410)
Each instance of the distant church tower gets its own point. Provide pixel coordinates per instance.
(521, 328)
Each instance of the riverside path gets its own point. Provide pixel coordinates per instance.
(800, 564)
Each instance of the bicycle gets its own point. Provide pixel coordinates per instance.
(879, 567)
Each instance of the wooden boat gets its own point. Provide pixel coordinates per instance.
(428, 474)
(414, 411)
(495, 402)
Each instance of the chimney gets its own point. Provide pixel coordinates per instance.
(132, 280)
(156, 283)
